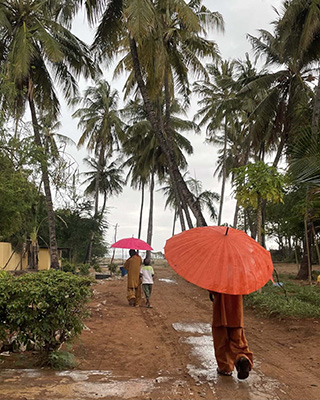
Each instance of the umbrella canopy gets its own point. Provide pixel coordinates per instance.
(131, 243)
(220, 259)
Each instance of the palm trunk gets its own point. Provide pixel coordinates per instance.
(172, 165)
(259, 219)
(141, 211)
(316, 110)
(305, 270)
(96, 207)
(224, 171)
(150, 221)
(235, 218)
(174, 222)
(180, 200)
(46, 183)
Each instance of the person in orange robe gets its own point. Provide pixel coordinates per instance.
(133, 265)
(230, 344)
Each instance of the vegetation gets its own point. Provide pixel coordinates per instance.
(258, 118)
(43, 310)
(290, 300)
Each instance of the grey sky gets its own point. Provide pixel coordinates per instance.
(241, 17)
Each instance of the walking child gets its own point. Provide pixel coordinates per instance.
(147, 273)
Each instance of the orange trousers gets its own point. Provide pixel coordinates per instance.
(229, 345)
(134, 293)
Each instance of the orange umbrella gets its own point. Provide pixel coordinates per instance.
(220, 259)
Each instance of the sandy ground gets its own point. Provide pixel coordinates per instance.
(166, 352)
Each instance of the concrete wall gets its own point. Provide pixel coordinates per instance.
(18, 263)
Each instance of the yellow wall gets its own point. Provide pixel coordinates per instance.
(14, 263)
(44, 259)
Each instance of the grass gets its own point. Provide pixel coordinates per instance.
(292, 300)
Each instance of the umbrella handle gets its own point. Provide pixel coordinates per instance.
(227, 231)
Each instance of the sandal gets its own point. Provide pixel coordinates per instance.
(243, 367)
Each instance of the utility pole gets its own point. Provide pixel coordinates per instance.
(115, 239)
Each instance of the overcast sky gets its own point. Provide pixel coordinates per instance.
(241, 17)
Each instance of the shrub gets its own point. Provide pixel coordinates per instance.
(46, 308)
(61, 359)
(112, 268)
(84, 269)
(291, 301)
(67, 266)
(97, 268)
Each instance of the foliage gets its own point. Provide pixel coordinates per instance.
(113, 268)
(67, 266)
(97, 267)
(300, 301)
(72, 230)
(18, 197)
(84, 269)
(46, 308)
(258, 179)
(61, 360)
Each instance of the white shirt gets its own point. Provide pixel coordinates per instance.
(147, 273)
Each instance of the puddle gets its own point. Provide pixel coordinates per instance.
(200, 328)
(256, 387)
(125, 390)
(166, 280)
(76, 384)
(79, 376)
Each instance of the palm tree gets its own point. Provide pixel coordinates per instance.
(110, 184)
(299, 29)
(140, 30)
(110, 180)
(284, 93)
(146, 158)
(102, 127)
(36, 51)
(204, 198)
(218, 110)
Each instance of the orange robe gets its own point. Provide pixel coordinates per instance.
(133, 265)
(227, 330)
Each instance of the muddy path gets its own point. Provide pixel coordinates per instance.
(166, 352)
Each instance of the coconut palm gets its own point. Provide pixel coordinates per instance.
(285, 92)
(146, 158)
(110, 180)
(299, 29)
(218, 110)
(204, 198)
(102, 127)
(37, 51)
(138, 30)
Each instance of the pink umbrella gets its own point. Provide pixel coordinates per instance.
(131, 243)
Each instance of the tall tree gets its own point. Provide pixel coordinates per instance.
(102, 127)
(146, 157)
(254, 183)
(218, 110)
(36, 51)
(140, 30)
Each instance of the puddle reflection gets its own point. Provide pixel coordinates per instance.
(166, 280)
(256, 387)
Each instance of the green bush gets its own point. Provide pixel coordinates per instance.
(84, 269)
(67, 266)
(61, 359)
(290, 301)
(97, 268)
(113, 268)
(46, 308)
(5, 280)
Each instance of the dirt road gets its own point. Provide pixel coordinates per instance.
(166, 353)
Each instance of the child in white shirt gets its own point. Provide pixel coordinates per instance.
(146, 274)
